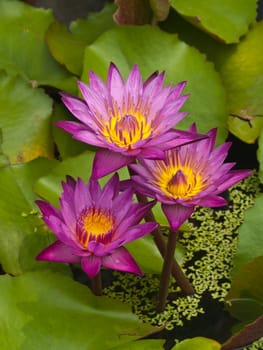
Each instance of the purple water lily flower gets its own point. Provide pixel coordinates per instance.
(93, 224)
(127, 119)
(190, 175)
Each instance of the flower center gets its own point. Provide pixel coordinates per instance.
(94, 224)
(126, 130)
(180, 182)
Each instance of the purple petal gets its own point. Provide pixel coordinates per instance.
(152, 153)
(121, 260)
(48, 209)
(80, 133)
(97, 248)
(133, 86)
(109, 191)
(138, 231)
(82, 197)
(176, 91)
(233, 177)
(91, 265)
(115, 84)
(58, 252)
(94, 100)
(177, 214)
(212, 201)
(79, 109)
(106, 162)
(97, 84)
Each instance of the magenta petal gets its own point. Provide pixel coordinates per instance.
(177, 214)
(58, 252)
(121, 260)
(152, 153)
(212, 201)
(106, 162)
(91, 265)
(48, 209)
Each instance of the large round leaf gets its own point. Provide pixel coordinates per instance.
(22, 233)
(250, 238)
(199, 343)
(43, 310)
(68, 46)
(153, 49)
(241, 67)
(226, 20)
(23, 49)
(25, 120)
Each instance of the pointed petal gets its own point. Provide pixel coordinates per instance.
(115, 84)
(151, 153)
(91, 265)
(121, 260)
(48, 209)
(106, 162)
(133, 86)
(58, 252)
(79, 109)
(139, 231)
(82, 197)
(212, 201)
(109, 191)
(232, 178)
(177, 214)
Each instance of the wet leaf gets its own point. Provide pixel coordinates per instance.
(24, 51)
(199, 343)
(22, 233)
(25, 120)
(250, 238)
(226, 20)
(68, 45)
(52, 311)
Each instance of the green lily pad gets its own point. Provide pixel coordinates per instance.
(248, 281)
(25, 120)
(68, 45)
(162, 51)
(245, 309)
(24, 51)
(226, 20)
(241, 68)
(199, 343)
(48, 186)
(43, 310)
(149, 344)
(250, 238)
(22, 233)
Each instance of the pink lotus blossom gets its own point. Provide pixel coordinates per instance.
(93, 224)
(190, 175)
(127, 119)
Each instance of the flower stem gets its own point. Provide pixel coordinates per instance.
(159, 240)
(96, 285)
(166, 271)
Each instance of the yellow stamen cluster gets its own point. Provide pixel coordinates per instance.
(126, 128)
(94, 224)
(178, 181)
